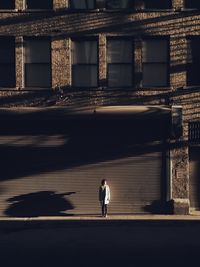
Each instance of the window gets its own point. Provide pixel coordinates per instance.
(158, 4)
(37, 60)
(193, 66)
(7, 4)
(109, 4)
(192, 4)
(83, 4)
(119, 4)
(84, 63)
(155, 54)
(39, 4)
(194, 132)
(7, 61)
(119, 63)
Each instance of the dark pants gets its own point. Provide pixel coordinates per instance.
(104, 208)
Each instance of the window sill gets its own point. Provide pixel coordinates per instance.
(117, 10)
(151, 88)
(26, 10)
(124, 10)
(190, 9)
(119, 89)
(155, 10)
(9, 10)
(36, 10)
(191, 87)
(4, 88)
(35, 88)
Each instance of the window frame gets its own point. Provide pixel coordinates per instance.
(131, 6)
(85, 39)
(9, 8)
(39, 8)
(120, 38)
(187, 7)
(157, 8)
(167, 63)
(82, 9)
(103, 6)
(25, 64)
(191, 38)
(12, 64)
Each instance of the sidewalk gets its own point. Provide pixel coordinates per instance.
(95, 220)
(148, 217)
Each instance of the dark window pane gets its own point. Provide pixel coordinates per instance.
(84, 75)
(82, 4)
(84, 52)
(119, 51)
(155, 75)
(100, 4)
(192, 3)
(155, 62)
(7, 50)
(193, 66)
(193, 50)
(119, 60)
(37, 75)
(154, 51)
(7, 61)
(120, 75)
(37, 50)
(37, 59)
(7, 75)
(39, 4)
(193, 77)
(84, 60)
(158, 4)
(7, 4)
(115, 4)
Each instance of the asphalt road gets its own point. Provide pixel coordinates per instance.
(122, 244)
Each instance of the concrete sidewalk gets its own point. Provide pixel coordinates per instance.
(96, 220)
(191, 217)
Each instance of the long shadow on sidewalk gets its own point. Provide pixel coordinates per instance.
(43, 203)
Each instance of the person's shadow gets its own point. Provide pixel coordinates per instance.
(43, 203)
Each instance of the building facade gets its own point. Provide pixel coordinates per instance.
(99, 89)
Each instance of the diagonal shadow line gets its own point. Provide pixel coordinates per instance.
(63, 15)
(86, 142)
(50, 98)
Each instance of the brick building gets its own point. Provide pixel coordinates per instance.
(99, 89)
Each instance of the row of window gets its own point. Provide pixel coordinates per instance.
(95, 4)
(36, 58)
(29, 4)
(125, 4)
(120, 63)
(118, 4)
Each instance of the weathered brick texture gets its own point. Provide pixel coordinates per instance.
(102, 60)
(177, 4)
(60, 4)
(61, 58)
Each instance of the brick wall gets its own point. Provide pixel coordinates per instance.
(61, 25)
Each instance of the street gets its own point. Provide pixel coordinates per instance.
(117, 244)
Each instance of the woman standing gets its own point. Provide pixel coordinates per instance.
(104, 197)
